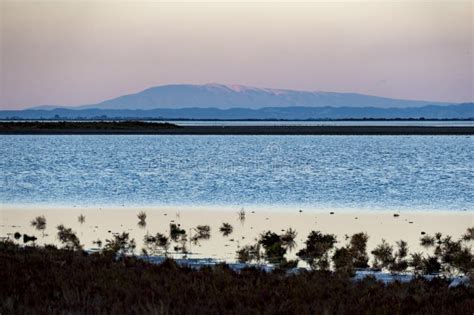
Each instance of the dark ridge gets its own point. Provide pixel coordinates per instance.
(73, 127)
(140, 127)
(455, 111)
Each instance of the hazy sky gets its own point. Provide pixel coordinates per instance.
(82, 52)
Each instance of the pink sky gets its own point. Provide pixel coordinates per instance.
(82, 52)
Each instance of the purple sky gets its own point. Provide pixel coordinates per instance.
(82, 52)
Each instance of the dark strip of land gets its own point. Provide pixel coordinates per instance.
(139, 127)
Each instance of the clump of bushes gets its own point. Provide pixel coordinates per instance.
(386, 258)
(39, 223)
(353, 256)
(176, 232)
(202, 232)
(449, 256)
(120, 245)
(249, 253)
(383, 255)
(68, 238)
(156, 245)
(446, 255)
(317, 250)
(400, 262)
(469, 236)
(274, 248)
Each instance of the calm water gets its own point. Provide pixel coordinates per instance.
(375, 172)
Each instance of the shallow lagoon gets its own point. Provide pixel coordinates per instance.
(312, 172)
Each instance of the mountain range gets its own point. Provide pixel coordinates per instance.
(218, 101)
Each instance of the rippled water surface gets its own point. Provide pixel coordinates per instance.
(378, 172)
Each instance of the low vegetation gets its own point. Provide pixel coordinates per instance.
(156, 245)
(202, 232)
(179, 236)
(81, 219)
(51, 280)
(39, 223)
(176, 232)
(120, 245)
(68, 238)
(450, 257)
(241, 215)
(317, 250)
(113, 280)
(226, 229)
(141, 219)
(83, 125)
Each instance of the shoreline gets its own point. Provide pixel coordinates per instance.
(288, 209)
(28, 128)
(101, 223)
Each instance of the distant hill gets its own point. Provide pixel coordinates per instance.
(237, 96)
(218, 101)
(460, 111)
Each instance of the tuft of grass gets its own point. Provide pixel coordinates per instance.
(226, 229)
(241, 215)
(39, 223)
(98, 243)
(427, 241)
(81, 219)
(288, 239)
(141, 219)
